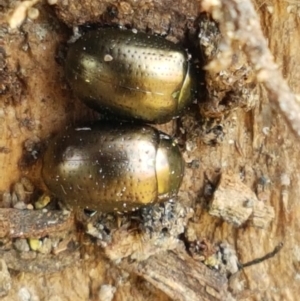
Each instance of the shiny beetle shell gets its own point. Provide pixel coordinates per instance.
(132, 75)
(109, 167)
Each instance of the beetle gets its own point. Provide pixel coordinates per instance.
(113, 167)
(131, 75)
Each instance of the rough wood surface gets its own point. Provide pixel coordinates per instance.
(258, 145)
(5, 279)
(197, 282)
(236, 203)
(238, 21)
(35, 223)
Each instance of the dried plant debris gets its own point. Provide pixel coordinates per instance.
(20, 195)
(204, 251)
(141, 234)
(46, 231)
(222, 257)
(181, 277)
(210, 131)
(148, 243)
(32, 150)
(23, 195)
(263, 258)
(219, 256)
(239, 25)
(49, 254)
(230, 81)
(29, 232)
(236, 203)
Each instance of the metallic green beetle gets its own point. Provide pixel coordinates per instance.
(113, 167)
(132, 75)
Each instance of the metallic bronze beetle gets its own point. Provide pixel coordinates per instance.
(131, 75)
(113, 167)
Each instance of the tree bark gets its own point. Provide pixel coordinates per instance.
(251, 95)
